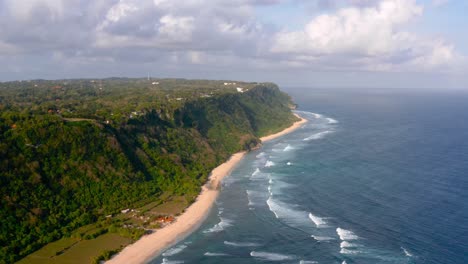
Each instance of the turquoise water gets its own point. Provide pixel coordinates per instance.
(375, 176)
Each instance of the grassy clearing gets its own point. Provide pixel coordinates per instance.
(75, 251)
(79, 248)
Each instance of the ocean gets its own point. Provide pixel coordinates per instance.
(375, 176)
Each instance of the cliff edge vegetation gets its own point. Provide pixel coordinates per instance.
(97, 161)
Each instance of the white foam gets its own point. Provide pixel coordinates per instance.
(322, 238)
(269, 163)
(307, 262)
(331, 121)
(241, 244)
(407, 253)
(223, 223)
(260, 155)
(318, 221)
(270, 256)
(173, 251)
(288, 163)
(317, 115)
(273, 207)
(256, 172)
(287, 214)
(288, 148)
(166, 261)
(318, 135)
(214, 254)
(346, 234)
(344, 262)
(346, 251)
(346, 244)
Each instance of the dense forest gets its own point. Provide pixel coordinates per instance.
(74, 151)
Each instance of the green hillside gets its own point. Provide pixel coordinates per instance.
(75, 151)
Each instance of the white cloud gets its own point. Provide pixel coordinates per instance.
(368, 37)
(176, 28)
(362, 35)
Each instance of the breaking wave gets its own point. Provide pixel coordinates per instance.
(257, 171)
(173, 251)
(407, 253)
(224, 223)
(346, 235)
(270, 256)
(214, 254)
(331, 121)
(241, 244)
(318, 135)
(322, 238)
(288, 148)
(269, 163)
(166, 261)
(318, 221)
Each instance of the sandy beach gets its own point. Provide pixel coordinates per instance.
(290, 129)
(152, 245)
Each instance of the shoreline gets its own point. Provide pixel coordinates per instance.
(150, 246)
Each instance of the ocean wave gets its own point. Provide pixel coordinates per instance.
(318, 221)
(256, 172)
(346, 234)
(261, 154)
(346, 251)
(269, 163)
(223, 223)
(344, 262)
(288, 148)
(346, 244)
(407, 253)
(241, 244)
(331, 120)
(215, 254)
(166, 261)
(317, 115)
(288, 163)
(322, 238)
(318, 135)
(270, 256)
(288, 215)
(307, 262)
(173, 251)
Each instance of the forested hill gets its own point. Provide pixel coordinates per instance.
(75, 151)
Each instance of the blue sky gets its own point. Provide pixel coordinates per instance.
(319, 43)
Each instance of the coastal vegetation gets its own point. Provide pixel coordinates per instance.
(98, 160)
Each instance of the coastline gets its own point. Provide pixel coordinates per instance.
(154, 244)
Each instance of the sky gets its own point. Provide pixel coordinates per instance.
(316, 43)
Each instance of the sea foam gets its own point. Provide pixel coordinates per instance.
(269, 163)
(173, 251)
(241, 244)
(256, 172)
(318, 221)
(215, 254)
(322, 238)
(270, 256)
(166, 261)
(346, 234)
(318, 135)
(331, 121)
(407, 253)
(288, 148)
(223, 223)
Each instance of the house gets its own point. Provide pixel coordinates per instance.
(240, 89)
